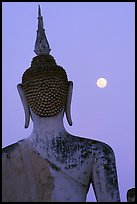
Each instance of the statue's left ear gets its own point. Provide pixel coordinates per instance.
(68, 104)
(25, 105)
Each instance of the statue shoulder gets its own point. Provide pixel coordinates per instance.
(93, 146)
(9, 150)
(103, 148)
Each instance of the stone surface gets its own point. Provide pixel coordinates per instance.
(58, 169)
(25, 175)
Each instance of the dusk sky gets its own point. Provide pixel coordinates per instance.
(90, 40)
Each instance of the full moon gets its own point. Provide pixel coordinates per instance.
(101, 83)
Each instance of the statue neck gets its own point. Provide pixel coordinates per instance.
(48, 127)
(45, 130)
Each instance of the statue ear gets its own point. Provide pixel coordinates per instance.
(68, 104)
(25, 105)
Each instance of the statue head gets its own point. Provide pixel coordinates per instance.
(45, 88)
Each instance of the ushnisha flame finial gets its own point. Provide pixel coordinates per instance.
(41, 45)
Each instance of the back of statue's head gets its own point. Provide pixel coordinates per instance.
(45, 88)
(45, 85)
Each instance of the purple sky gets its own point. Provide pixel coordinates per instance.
(90, 40)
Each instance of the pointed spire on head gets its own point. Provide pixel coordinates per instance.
(41, 45)
(39, 11)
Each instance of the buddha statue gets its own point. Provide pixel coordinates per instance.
(52, 165)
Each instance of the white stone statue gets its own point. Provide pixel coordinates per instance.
(51, 165)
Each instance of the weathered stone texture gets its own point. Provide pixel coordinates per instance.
(25, 175)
